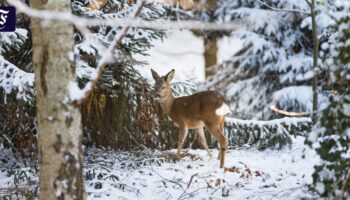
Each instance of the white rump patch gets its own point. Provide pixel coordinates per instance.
(223, 110)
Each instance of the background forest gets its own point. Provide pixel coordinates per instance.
(286, 78)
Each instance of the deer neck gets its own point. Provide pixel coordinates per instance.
(166, 103)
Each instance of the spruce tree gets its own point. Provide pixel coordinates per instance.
(274, 64)
(331, 137)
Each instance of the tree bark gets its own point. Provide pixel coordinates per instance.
(315, 62)
(210, 53)
(59, 120)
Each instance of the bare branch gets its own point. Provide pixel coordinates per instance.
(156, 24)
(108, 56)
(287, 113)
(309, 2)
(284, 9)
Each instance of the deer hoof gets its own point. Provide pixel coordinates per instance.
(209, 154)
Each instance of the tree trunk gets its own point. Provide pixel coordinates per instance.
(210, 53)
(315, 62)
(59, 121)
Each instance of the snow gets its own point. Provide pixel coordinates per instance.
(271, 123)
(15, 38)
(75, 93)
(300, 97)
(15, 79)
(250, 174)
(183, 51)
(153, 174)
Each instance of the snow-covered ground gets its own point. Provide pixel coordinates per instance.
(148, 175)
(249, 174)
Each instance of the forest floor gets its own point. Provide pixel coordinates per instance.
(147, 174)
(249, 174)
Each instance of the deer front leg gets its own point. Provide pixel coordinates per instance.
(200, 133)
(182, 135)
(219, 152)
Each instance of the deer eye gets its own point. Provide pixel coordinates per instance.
(163, 87)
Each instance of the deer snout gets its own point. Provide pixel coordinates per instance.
(156, 95)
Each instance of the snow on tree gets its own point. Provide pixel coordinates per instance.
(120, 84)
(265, 134)
(274, 45)
(122, 101)
(120, 112)
(17, 94)
(274, 65)
(12, 78)
(331, 136)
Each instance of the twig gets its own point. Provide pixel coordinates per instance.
(169, 180)
(182, 196)
(189, 183)
(8, 140)
(283, 9)
(343, 188)
(107, 57)
(244, 164)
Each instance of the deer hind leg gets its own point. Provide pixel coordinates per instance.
(200, 133)
(182, 135)
(215, 130)
(222, 123)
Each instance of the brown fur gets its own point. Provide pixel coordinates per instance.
(192, 112)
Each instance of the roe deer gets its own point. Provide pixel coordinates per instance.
(193, 112)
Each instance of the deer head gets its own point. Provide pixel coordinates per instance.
(162, 86)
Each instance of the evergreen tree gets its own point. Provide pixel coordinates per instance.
(119, 113)
(331, 137)
(274, 65)
(120, 84)
(17, 127)
(249, 77)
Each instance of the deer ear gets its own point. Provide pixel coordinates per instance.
(155, 75)
(170, 75)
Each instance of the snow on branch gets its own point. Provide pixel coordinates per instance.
(15, 79)
(299, 98)
(274, 133)
(75, 92)
(14, 39)
(283, 9)
(82, 22)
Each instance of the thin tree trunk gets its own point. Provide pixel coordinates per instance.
(315, 62)
(210, 53)
(59, 121)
